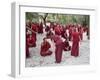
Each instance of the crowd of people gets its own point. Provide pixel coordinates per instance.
(59, 34)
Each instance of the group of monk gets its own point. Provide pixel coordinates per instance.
(59, 34)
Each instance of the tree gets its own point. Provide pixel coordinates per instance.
(44, 16)
(33, 17)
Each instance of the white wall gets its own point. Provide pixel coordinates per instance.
(5, 40)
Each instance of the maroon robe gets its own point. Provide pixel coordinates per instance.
(70, 33)
(35, 29)
(75, 44)
(27, 47)
(40, 29)
(27, 51)
(81, 33)
(31, 42)
(57, 31)
(58, 49)
(45, 49)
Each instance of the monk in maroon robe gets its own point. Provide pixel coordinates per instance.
(81, 33)
(75, 43)
(40, 29)
(27, 47)
(45, 48)
(31, 41)
(57, 30)
(70, 33)
(59, 48)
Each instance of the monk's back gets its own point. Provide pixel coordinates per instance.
(75, 36)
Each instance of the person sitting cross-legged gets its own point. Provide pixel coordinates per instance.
(45, 46)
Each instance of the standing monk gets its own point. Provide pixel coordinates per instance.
(70, 33)
(57, 30)
(59, 48)
(27, 47)
(75, 43)
(81, 33)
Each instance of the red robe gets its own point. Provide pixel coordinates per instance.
(27, 47)
(34, 28)
(40, 29)
(81, 33)
(57, 31)
(75, 44)
(70, 34)
(45, 49)
(31, 42)
(58, 49)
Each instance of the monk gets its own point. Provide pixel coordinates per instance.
(40, 29)
(27, 47)
(59, 48)
(45, 48)
(67, 47)
(70, 33)
(75, 43)
(81, 33)
(31, 41)
(57, 30)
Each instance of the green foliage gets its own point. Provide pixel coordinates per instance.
(60, 18)
(32, 16)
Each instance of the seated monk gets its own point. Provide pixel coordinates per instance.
(31, 41)
(45, 48)
(67, 47)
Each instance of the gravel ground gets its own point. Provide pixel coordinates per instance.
(37, 60)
